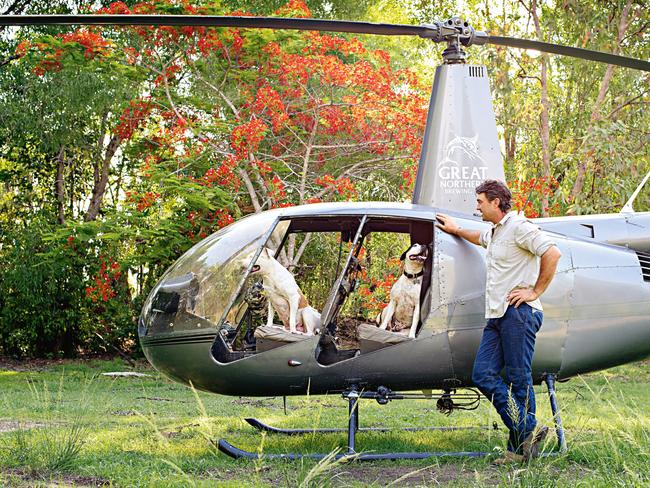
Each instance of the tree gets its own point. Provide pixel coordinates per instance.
(545, 104)
(177, 131)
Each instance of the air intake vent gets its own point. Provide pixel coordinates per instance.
(644, 261)
(476, 71)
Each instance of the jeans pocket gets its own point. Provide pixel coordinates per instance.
(538, 317)
(518, 313)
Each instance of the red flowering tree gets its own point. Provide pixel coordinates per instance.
(195, 127)
(532, 196)
(269, 118)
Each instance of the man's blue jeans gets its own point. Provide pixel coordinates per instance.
(509, 342)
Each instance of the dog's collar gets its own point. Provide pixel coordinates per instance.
(413, 275)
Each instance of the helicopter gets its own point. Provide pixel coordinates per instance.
(199, 325)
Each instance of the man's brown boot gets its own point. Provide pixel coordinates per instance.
(509, 457)
(533, 442)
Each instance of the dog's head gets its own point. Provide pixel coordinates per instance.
(264, 261)
(417, 253)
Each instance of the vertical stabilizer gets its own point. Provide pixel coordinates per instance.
(460, 147)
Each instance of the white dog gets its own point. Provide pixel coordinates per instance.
(404, 306)
(284, 296)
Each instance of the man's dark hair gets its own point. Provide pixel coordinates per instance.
(496, 189)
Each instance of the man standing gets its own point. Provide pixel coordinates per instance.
(521, 261)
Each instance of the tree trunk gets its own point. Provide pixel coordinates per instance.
(510, 136)
(101, 179)
(292, 256)
(58, 185)
(602, 92)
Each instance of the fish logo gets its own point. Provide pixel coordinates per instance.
(466, 146)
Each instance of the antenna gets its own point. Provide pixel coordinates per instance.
(627, 208)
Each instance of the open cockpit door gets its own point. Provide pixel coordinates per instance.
(343, 267)
(345, 281)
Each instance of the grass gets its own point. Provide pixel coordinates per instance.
(67, 425)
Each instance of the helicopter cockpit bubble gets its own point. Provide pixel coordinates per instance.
(201, 289)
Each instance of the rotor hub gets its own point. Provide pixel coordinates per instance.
(457, 33)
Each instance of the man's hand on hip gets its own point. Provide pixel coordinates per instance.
(547, 267)
(521, 295)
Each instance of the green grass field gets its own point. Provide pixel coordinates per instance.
(65, 424)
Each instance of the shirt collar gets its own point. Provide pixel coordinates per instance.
(505, 219)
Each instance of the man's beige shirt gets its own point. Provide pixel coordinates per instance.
(514, 247)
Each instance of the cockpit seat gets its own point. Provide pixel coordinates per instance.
(270, 337)
(372, 338)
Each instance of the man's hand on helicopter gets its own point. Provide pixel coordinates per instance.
(447, 224)
(450, 226)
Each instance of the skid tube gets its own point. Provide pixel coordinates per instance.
(382, 395)
(261, 426)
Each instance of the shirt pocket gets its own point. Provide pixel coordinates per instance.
(506, 253)
(503, 250)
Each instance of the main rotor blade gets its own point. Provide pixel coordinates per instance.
(438, 32)
(223, 21)
(574, 52)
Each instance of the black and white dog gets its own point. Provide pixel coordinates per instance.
(403, 310)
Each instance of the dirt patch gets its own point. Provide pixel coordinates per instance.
(382, 475)
(37, 365)
(18, 477)
(269, 403)
(412, 476)
(28, 365)
(12, 425)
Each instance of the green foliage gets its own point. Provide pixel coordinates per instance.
(167, 109)
(53, 296)
(41, 293)
(607, 135)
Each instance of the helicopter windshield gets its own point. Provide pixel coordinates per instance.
(203, 283)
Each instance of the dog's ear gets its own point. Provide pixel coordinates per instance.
(403, 256)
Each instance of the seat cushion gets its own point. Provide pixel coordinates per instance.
(270, 337)
(372, 337)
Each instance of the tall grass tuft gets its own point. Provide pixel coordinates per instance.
(319, 475)
(51, 445)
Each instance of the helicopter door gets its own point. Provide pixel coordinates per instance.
(237, 307)
(326, 352)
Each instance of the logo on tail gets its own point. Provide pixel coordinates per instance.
(462, 169)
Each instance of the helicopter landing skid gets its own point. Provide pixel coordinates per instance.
(382, 396)
(261, 426)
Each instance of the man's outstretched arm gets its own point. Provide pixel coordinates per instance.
(448, 225)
